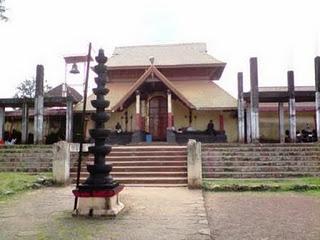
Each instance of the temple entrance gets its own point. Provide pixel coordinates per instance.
(158, 117)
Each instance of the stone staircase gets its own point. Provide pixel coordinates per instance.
(260, 160)
(144, 165)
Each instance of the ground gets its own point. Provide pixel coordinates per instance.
(165, 213)
(263, 216)
(150, 213)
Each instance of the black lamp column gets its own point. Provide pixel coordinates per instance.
(100, 178)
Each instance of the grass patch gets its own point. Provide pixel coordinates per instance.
(311, 184)
(12, 183)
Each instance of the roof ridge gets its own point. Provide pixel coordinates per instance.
(163, 45)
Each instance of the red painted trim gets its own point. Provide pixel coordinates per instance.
(221, 123)
(98, 193)
(138, 121)
(170, 120)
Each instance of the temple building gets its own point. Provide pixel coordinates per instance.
(159, 89)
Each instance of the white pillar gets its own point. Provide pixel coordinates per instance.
(138, 114)
(169, 98)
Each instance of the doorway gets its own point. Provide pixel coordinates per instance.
(158, 118)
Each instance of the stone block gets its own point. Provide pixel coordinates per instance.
(61, 163)
(99, 206)
(194, 164)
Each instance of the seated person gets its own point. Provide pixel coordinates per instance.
(190, 129)
(210, 128)
(118, 128)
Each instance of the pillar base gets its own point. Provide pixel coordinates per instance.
(138, 136)
(171, 136)
(98, 203)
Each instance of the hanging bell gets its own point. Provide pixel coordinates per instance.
(74, 69)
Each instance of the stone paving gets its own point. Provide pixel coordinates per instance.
(150, 213)
(263, 216)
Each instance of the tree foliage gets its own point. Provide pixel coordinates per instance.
(2, 11)
(28, 88)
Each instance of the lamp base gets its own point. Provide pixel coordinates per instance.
(99, 203)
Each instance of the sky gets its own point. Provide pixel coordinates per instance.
(282, 34)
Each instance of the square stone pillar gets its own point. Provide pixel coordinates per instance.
(248, 121)
(292, 107)
(39, 107)
(241, 127)
(317, 94)
(69, 120)
(2, 120)
(254, 100)
(282, 134)
(25, 122)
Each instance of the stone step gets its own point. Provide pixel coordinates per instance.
(259, 158)
(261, 169)
(142, 180)
(142, 158)
(238, 163)
(148, 148)
(260, 174)
(259, 149)
(256, 154)
(252, 145)
(146, 163)
(25, 169)
(138, 174)
(148, 153)
(140, 169)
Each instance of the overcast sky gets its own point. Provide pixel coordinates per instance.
(283, 34)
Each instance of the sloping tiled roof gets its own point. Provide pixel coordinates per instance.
(141, 80)
(117, 91)
(57, 92)
(206, 95)
(285, 88)
(203, 95)
(164, 55)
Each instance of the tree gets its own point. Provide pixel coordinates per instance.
(2, 11)
(28, 89)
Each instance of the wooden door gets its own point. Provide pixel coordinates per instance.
(158, 118)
